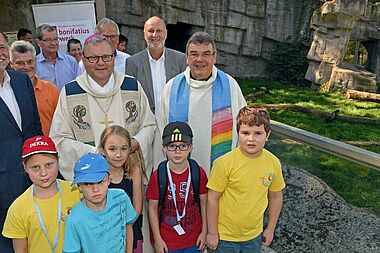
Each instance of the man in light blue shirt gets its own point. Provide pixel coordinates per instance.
(52, 65)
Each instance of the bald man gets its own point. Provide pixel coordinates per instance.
(156, 65)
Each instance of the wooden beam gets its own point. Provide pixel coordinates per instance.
(362, 95)
(331, 146)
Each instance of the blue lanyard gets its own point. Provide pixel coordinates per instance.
(58, 217)
(172, 188)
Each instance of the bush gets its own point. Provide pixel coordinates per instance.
(288, 62)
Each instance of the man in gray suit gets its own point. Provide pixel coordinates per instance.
(155, 65)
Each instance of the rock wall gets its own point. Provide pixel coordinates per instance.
(16, 14)
(245, 31)
(334, 25)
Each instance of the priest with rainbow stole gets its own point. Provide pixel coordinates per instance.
(99, 98)
(206, 98)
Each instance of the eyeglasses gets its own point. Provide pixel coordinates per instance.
(206, 55)
(95, 59)
(182, 147)
(111, 37)
(50, 40)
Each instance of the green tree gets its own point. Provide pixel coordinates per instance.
(288, 62)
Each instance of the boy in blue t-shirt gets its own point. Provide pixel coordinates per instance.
(98, 222)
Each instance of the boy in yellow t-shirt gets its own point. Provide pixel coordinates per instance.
(242, 184)
(36, 219)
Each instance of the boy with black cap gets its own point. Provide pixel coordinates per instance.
(36, 219)
(177, 198)
(98, 222)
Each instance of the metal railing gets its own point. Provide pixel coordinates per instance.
(331, 146)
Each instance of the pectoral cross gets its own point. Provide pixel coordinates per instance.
(106, 121)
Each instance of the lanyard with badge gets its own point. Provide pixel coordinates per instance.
(42, 222)
(178, 228)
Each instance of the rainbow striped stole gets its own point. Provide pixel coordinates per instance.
(221, 132)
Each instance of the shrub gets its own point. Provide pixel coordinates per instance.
(288, 62)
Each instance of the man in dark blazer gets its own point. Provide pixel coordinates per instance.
(19, 121)
(166, 62)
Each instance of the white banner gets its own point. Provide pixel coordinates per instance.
(72, 20)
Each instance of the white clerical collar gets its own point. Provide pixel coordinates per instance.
(106, 88)
(162, 58)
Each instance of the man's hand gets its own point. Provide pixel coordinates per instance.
(134, 145)
(212, 241)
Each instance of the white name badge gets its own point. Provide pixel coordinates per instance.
(179, 229)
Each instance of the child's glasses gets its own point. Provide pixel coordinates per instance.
(173, 147)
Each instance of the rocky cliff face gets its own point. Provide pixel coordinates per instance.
(15, 14)
(334, 25)
(245, 31)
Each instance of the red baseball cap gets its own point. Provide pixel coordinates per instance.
(38, 144)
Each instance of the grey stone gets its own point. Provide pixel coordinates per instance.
(237, 26)
(237, 6)
(252, 42)
(315, 219)
(255, 8)
(343, 79)
(236, 20)
(335, 24)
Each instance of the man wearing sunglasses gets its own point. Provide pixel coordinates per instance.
(52, 65)
(99, 98)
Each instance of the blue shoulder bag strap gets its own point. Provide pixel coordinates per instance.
(162, 188)
(195, 181)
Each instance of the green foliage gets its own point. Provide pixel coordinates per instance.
(358, 185)
(288, 62)
(350, 53)
(370, 1)
(324, 88)
(304, 96)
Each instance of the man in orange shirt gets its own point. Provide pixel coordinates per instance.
(23, 59)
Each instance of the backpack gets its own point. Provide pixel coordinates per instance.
(163, 184)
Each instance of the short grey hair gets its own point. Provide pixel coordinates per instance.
(22, 47)
(106, 21)
(44, 28)
(95, 39)
(201, 38)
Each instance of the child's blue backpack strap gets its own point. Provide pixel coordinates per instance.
(195, 181)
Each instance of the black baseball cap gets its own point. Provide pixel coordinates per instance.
(177, 131)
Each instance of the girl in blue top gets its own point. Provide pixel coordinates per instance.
(115, 143)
